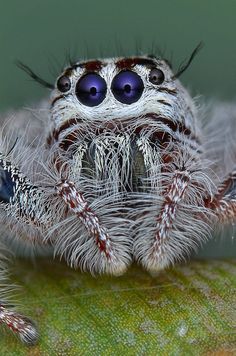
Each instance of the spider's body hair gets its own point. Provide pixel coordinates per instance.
(114, 155)
(219, 132)
(139, 132)
(108, 184)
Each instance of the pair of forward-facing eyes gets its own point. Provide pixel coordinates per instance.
(127, 86)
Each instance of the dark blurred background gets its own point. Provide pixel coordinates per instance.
(45, 33)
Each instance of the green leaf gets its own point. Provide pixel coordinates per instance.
(187, 310)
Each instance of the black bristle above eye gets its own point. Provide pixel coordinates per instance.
(152, 56)
(34, 76)
(184, 66)
(13, 146)
(168, 62)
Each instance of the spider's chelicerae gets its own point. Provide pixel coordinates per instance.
(120, 172)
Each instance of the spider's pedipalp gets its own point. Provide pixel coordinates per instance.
(107, 257)
(175, 221)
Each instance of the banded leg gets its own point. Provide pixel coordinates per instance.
(152, 251)
(78, 205)
(174, 195)
(180, 224)
(21, 209)
(224, 202)
(93, 245)
(21, 326)
(19, 198)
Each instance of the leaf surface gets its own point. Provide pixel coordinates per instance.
(187, 310)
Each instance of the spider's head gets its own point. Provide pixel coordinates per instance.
(119, 89)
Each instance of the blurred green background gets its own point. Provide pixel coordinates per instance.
(44, 33)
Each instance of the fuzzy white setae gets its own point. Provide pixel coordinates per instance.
(116, 169)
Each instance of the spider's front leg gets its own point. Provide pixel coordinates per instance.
(94, 234)
(23, 212)
(22, 326)
(223, 203)
(77, 204)
(174, 194)
(176, 219)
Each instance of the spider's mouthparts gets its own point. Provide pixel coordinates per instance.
(124, 150)
(74, 128)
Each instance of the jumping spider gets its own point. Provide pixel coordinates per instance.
(122, 172)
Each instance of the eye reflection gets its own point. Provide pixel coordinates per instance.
(91, 89)
(127, 87)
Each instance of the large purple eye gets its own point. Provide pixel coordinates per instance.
(127, 87)
(91, 89)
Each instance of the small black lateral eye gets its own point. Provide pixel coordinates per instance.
(63, 84)
(156, 76)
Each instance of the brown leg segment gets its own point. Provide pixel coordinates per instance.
(77, 204)
(19, 324)
(224, 201)
(173, 196)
